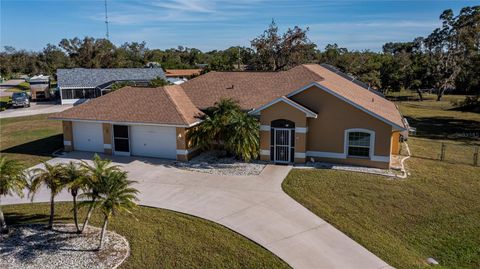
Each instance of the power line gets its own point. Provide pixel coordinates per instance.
(106, 19)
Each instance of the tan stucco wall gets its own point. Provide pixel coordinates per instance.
(396, 143)
(107, 137)
(265, 140)
(282, 110)
(285, 111)
(181, 138)
(326, 132)
(67, 134)
(183, 143)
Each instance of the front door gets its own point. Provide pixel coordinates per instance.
(282, 145)
(121, 141)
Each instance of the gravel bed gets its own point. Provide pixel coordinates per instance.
(215, 162)
(35, 247)
(360, 169)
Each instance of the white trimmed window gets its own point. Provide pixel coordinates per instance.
(359, 143)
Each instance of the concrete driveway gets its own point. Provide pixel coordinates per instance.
(35, 109)
(254, 206)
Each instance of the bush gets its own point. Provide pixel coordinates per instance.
(24, 86)
(158, 82)
(5, 103)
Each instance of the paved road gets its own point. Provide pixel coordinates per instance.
(34, 109)
(9, 84)
(254, 206)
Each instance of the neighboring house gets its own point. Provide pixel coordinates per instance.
(179, 76)
(24, 77)
(78, 84)
(307, 112)
(40, 87)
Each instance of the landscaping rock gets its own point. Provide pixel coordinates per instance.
(33, 246)
(215, 162)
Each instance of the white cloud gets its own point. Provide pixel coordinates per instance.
(175, 11)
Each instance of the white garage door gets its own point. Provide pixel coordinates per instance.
(87, 136)
(153, 141)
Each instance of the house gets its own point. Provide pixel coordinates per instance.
(178, 76)
(79, 84)
(306, 113)
(40, 87)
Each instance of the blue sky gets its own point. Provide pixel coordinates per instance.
(218, 24)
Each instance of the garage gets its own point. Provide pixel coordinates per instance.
(153, 141)
(87, 136)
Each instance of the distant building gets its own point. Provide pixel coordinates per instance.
(79, 84)
(21, 76)
(40, 87)
(178, 76)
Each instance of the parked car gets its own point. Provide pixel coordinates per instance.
(20, 99)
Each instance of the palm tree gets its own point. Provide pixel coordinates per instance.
(114, 196)
(12, 181)
(52, 176)
(75, 181)
(94, 174)
(243, 139)
(227, 125)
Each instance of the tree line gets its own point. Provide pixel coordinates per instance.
(447, 59)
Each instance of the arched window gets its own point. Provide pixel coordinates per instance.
(359, 142)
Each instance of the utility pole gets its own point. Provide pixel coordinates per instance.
(239, 58)
(106, 19)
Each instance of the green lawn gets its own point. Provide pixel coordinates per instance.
(30, 139)
(166, 239)
(4, 102)
(441, 122)
(435, 212)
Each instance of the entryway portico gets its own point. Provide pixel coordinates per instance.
(283, 131)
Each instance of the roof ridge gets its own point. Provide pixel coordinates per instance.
(305, 66)
(174, 102)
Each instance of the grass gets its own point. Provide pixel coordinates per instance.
(440, 119)
(30, 139)
(435, 212)
(24, 86)
(441, 122)
(165, 239)
(4, 102)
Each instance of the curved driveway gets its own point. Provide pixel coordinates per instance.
(254, 206)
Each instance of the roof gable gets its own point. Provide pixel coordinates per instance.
(308, 112)
(355, 95)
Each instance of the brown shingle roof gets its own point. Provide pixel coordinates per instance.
(255, 89)
(182, 72)
(250, 89)
(168, 105)
(357, 94)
